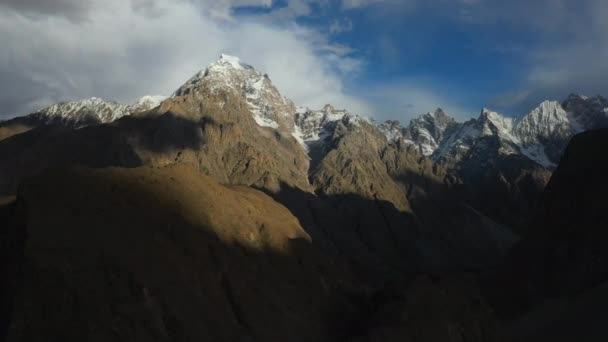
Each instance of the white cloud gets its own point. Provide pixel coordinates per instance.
(339, 26)
(363, 3)
(570, 57)
(121, 49)
(129, 49)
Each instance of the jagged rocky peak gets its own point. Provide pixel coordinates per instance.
(494, 123)
(392, 130)
(545, 131)
(440, 116)
(428, 130)
(314, 125)
(466, 139)
(95, 110)
(437, 119)
(540, 135)
(228, 74)
(549, 120)
(589, 112)
(434, 122)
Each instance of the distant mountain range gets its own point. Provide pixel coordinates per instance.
(541, 135)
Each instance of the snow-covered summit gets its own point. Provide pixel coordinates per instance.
(545, 131)
(229, 61)
(546, 121)
(229, 74)
(428, 130)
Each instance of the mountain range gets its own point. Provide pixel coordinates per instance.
(380, 230)
(540, 135)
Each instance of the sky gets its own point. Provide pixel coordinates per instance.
(386, 59)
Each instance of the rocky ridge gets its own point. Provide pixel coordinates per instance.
(540, 136)
(78, 114)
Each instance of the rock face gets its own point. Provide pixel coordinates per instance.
(244, 128)
(564, 253)
(314, 126)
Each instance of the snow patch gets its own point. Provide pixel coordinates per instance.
(537, 153)
(315, 125)
(264, 121)
(151, 101)
(233, 61)
(299, 136)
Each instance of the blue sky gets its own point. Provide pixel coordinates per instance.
(383, 58)
(468, 53)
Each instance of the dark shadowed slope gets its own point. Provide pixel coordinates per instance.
(556, 276)
(168, 254)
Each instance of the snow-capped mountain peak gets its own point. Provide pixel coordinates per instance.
(228, 74)
(425, 131)
(493, 123)
(544, 122)
(314, 125)
(232, 61)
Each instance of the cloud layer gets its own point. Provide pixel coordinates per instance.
(57, 50)
(122, 50)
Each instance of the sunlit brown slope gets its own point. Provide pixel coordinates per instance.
(164, 254)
